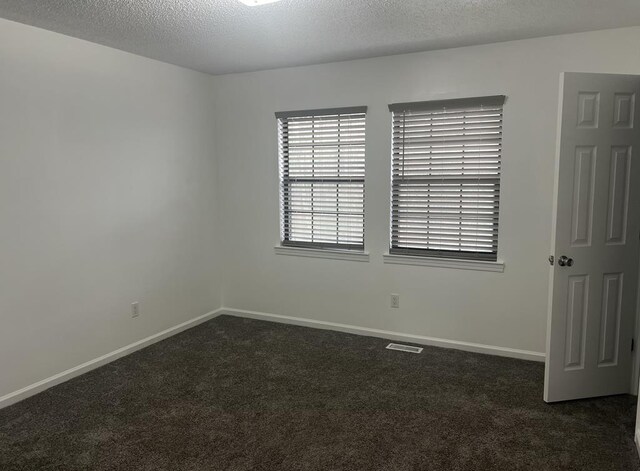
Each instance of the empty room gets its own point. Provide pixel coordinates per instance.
(319, 235)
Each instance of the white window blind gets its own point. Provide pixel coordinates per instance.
(322, 178)
(446, 178)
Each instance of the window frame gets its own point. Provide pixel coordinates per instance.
(285, 181)
(399, 254)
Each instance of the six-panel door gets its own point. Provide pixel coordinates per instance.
(593, 301)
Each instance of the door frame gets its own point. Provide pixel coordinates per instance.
(635, 361)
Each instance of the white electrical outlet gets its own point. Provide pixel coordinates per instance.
(395, 301)
(135, 309)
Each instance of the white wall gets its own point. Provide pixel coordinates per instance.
(500, 309)
(107, 196)
(124, 179)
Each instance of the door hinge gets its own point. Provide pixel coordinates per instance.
(552, 260)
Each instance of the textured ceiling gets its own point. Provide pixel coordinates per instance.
(224, 36)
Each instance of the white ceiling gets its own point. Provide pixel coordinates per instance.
(224, 36)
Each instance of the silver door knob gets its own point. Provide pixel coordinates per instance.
(565, 261)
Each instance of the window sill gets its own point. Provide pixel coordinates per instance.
(478, 265)
(334, 254)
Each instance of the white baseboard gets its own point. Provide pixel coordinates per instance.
(386, 334)
(40, 386)
(47, 383)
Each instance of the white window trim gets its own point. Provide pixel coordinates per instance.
(335, 254)
(460, 264)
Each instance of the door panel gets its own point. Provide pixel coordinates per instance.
(610, 320)
(576, 321)
(618, 207)
(596, 227)
(583, 187)
(624, 104)
(588, 109)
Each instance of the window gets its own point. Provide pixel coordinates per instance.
(322, 178)
(446, 178)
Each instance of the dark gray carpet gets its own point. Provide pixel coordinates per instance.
(236, 394)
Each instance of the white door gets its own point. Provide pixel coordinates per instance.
(597, 226)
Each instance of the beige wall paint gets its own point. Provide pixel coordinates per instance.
(499, 309)
(107, 197)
